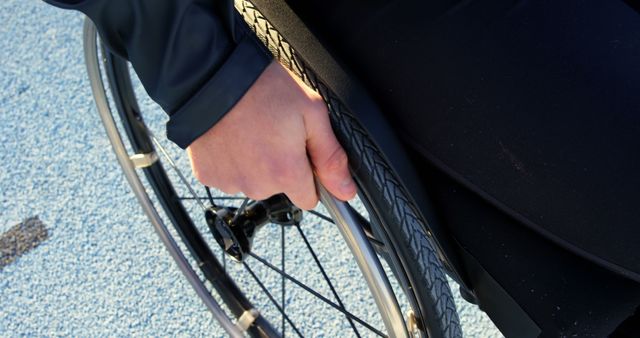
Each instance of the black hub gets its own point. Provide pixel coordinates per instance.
(234, 228)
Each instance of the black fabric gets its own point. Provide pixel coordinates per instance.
(629, 328)
(196, 58)
(565, 295)
(533, 105)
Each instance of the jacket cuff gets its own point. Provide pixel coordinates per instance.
(217, 96)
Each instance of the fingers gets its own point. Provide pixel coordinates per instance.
(302, 190)
(288, 172)
(285, 137)
(327, 156)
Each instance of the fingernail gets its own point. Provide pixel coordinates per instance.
(347, 186)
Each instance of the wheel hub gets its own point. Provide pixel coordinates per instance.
(235, 228)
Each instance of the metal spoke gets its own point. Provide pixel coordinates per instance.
(264, 288)
(213, 197)
(282, 280)
(175, 167)
(210, 197)
(326, 277)
(213, 205)
(324, 217)
(240, 211)
(318, 295)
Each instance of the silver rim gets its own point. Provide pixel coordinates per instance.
(97, 87)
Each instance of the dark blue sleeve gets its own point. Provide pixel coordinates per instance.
(195, 58)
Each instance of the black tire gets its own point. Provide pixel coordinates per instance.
(403, 227)
(395, 222)
(402, 223)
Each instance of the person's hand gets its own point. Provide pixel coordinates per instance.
(272, 141)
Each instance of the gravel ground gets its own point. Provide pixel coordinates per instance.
(101, 271)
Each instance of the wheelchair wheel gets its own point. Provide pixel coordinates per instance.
(265, 268)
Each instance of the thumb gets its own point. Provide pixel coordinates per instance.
(327, 157)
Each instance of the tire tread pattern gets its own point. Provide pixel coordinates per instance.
(443, 317)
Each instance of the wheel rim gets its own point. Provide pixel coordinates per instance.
(244, 307)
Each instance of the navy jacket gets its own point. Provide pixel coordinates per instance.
(196, 58)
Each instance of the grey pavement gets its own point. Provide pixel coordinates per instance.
(100, 271)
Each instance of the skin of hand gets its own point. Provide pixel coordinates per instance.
(272, 141)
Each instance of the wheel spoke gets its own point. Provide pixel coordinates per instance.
(326, 277)
(324, 217)
(213, 205)
(282, 280)
(240, 210)
(210, 197)
(264, 289)
(318, 295)
(224, 261)
(213, 197)
(175, 168)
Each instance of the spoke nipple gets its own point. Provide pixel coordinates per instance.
(143, 160)
(247, 318)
